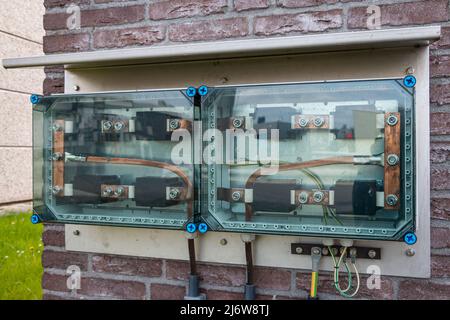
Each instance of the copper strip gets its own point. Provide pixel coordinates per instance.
(58, 165)
(392, 173)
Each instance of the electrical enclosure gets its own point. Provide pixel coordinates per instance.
(329, 159)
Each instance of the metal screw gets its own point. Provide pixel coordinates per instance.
(76, 88)
(57, 156)
(410, 252)
(318, 196)
(174, 124)
(76, 233)
(236, 196)
(392, 120)
(118, 125)
(56, 190)
(316, 251)
(107, 125)
(372, 254)
(57, 127)
(223, 242)
(319, 121)
(302, 122)
(303, 197)
(120, 191)
(391, 199)
(392, 159)
(107, 192)
(299, 250)
(237, 123)
(174, 193)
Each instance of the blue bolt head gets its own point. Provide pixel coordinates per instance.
(35, 219)
(203, 90)
(410, 238)
(409, 81)
(202, 227)
(191, 92)
(191, 227)
(35, 99)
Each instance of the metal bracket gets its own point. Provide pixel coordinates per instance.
(361, 252)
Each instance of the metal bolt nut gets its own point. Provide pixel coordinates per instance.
(76, 232)
(303, 197)
(236, 196)
(392, 159)
(299, 250)
(410, 252)
(319, 121)
(318, 196)
(57, 156)
(120, 191)
(223, 242)
(372, 254)
(174, 124)
(107, 125)
(76, 88)
(325, 251)
(174, 194)
(302, 122)
(391, 199)
(118, 126)
(316, 251)
(353, 252)
(392, 120)
(237, 123)
(107, 192)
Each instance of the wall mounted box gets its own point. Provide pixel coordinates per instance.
(301, 61)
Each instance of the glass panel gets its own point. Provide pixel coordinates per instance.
(331, 158)
(107, 159)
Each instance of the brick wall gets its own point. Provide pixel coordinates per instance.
(122, 23)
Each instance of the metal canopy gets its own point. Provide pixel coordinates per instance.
(388, 38)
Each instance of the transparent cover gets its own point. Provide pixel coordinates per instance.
(331, 159)
(107, 159)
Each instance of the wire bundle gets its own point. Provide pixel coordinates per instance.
(337, 266)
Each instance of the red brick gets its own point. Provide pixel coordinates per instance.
(55, 21)
(440, 266)
(418, 12)
(440, 178)
(54, 69)
(440, 238)
(109, 288)
(66, 43)
(185, 8)
(54, 282)
(53, 237)
(302, 22)
(440, 208)
(242, 5)
(444, 42)
(54, 86)
(423, 290)
(303, 3)
(210, 274)
(440, 123)
(223, 295)
(440, 66)
(62, 3)
(271, 278)
(326, 285)
(129, 37)
(209, 30)
(440, 152)
(64, 259)
(127, 265)
(167, 292)
(440, 94)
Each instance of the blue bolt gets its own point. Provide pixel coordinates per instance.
(191, 92)
(203, 227)
(35, 99)
(410, 238)
(191, 227)
(203, 90)
(409, 81)
(35, 219)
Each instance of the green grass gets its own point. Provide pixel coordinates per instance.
(20, 258)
